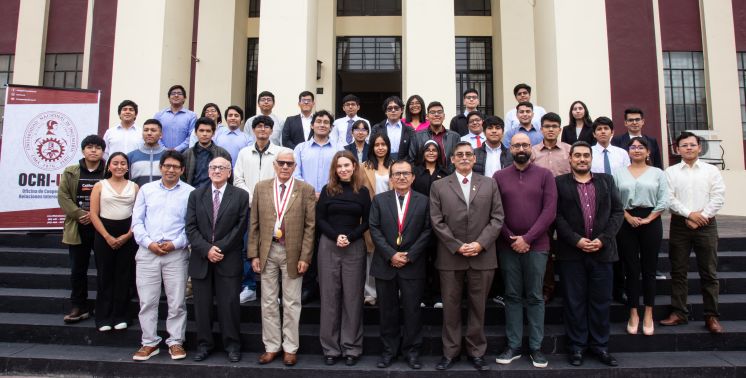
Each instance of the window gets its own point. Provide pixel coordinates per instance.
(368, 53)
(252, 76)
(254, 6)
(63, 70)
(368, 7)
(684, 81)
(472, 7)
(741, 56)
(6, 77)
(474, 70)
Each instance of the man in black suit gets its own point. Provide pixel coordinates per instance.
(589, 214)
(216, 221)
(297, 128)
(634, 121)
(400, 228)
(400, 135)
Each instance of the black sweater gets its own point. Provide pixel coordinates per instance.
(343, 214)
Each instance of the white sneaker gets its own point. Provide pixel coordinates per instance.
(120, 326)
(247, 295)
(438, 305)
(104, 328)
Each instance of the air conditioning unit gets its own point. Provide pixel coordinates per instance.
(712, 152)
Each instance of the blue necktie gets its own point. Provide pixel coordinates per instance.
(607, 164)
(349, 130)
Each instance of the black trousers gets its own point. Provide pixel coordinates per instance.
(432, 277)
(638, 250)
(395, 339)
(225, 290)
(116, 274)
(80, 257)
(586, 290)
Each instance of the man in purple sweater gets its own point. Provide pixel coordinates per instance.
(529, 196)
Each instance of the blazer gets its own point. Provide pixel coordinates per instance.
(569, 137)
(569, 220)
(454, 225)
(506, 158)
(384, 229)
(300, 224)
(622, 141)
(352, 148)
(230, 227)
(407, 134)
(292, 132)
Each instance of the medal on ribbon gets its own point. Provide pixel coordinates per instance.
(281, 205)
(401, 214)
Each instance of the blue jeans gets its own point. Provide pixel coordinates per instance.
(249, 279)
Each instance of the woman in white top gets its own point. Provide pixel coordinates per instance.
(112, 200)
(376, 170)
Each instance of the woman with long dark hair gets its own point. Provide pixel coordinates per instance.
(414, 113)
(112, 201)
(579, 125)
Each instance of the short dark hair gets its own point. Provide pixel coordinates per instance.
(687, 134)
(107, 171)
(266, 120)
(126, 103)
(322, 113)
(93, 140)
(204, 121)
(153, 121)
(351, 97)
(474, 113)
(633, 111)
(265, 94)
(171, 154)
(400, 161)
(524, 103)
(580, 143)
(305, 94)
(640, 140)
(551, 117)
(359, 122)
(521, 86)
(395, 99)
(235, 108)
(470, 90)
(177, 86)
(212, 105)
(433, 104)
(494, 121)
(602, 121)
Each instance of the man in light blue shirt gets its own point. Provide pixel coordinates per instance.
(158, 222)
(178, 122)
(525, 112)
(314, 156)
(231, 138)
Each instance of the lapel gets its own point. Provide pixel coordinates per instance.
(572, 187)
(207, 199)
(225, 201)
(293, 195)
(475, 185)
(456, 187)
(395, 211)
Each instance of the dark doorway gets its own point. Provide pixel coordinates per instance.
(372, 88)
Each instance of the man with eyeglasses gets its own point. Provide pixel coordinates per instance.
(446, 139)
(197, 158)
(266, 102)
(216, 220)
(460, 122)
(158, 224)
(522, 93)
(525, 112)
(400, 135)
(634, 120)
(466, 215)
(529, 197)
(178, 121)
(475, 136)
(342, 132)
(297, 128)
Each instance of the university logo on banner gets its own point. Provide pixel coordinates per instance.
(50, 141)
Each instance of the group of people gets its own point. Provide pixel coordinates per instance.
(402, 214)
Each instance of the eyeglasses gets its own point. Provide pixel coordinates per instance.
(436, 112)
(173, 94)
(520, 146)
(391, 109)
(349, 104)
(306, 101)
(262, 126)
(266, 99)
(471, 97)
(550, 127)
(284, 163)
(475, 121)
(462, 155)
(169, 167)
(401, 174)
(218, 168)
(633, 120)
(637, 148)
(360, 130)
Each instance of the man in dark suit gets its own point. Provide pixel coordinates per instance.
(400, 135)
(589, 215)
(634, 121)
(400, 228)
(297, 128)
(216, 222)
(467, 215)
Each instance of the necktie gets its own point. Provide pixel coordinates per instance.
(215, 207)
(607, 164)
(282, 224)
(349, 130)
(479, 141)
(401, 200)
(465, 180)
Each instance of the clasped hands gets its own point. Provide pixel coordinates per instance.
(696, 220)
(470, 249)
(161, 248)
(399, 259)
(589, 246)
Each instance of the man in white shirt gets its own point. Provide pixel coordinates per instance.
(126, 136)
(522, 93)
(476, 135)
(697, 193)
(266, 102)
(342, 130)
(607, 158)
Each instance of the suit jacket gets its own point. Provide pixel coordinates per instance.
(506, 158)
(622, 141)
(352, 148)
(569, 137)
(230, 227)
(569, 221)
(384, 229)
(459, 124)
(407, 134)
(292, 132)
(454, 225)
(300, 224)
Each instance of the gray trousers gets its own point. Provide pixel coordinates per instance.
(341, 282)
(524, 280)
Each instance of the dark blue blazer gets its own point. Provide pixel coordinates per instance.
(352, 148)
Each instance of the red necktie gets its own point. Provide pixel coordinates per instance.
(479, 141)
(465, 180)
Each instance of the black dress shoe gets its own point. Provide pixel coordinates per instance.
(446, 363)
(606, 358)
(479, 363)
(330, 360)
(576, 358)
(201, 354)
(234, 356)
(414, 362)
(385, 361)
(308, 296)
(351, 360)
(620, 298)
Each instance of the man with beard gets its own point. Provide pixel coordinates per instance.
(523, 247)
(589, 215)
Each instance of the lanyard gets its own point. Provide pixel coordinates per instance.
(281, 203)
(401, 214)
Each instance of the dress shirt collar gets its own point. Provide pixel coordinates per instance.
(544, 146)
(163, 186)
(489, 149)
(397, 124)
(461, 178)
(221, 190)
(328, 142)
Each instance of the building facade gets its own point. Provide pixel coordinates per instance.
(682, 61)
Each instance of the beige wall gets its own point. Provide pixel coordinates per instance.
(326, 45)
(31, 41)
(735, 201)
(379, 26)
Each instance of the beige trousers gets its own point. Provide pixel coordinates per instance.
(276, 332)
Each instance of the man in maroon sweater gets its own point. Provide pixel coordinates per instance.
(529, 197)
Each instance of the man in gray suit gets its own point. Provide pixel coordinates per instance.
(466, 215)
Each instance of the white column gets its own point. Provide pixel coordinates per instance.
(220, 73)
(721, 76)
(31, 40)
(287, 51)
(152, 51)
(326, 50)
(429, 51)
(87, 44)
